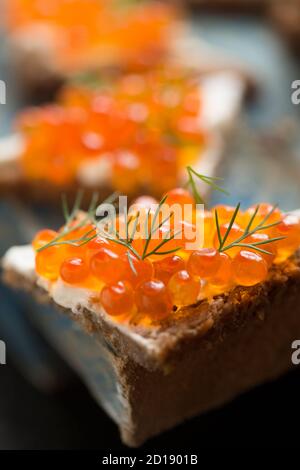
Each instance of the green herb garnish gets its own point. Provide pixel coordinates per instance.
(240, 241)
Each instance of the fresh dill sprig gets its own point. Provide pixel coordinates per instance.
(210, 180)
(152, 226)
(240, 241)
(127, 242)
(72, 223)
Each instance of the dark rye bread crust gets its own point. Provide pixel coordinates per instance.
(206, 354)
(230, 6)
(208, 320)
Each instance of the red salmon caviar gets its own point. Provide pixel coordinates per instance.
(152, 285)
(94, 245)
(225, 214)
(235, 233)
(107, 266)
(184, 288)
(179, 196)
(204, 263)
(249, 268)
(223, 276)
(152, 298)
(48, 261)
(166, 267)
(74, 270)
(43, 237)
(77, 29)
(118, 298)
(130, 134)
(263, 211)
(270, 247)
(289, 228)
(143, 269)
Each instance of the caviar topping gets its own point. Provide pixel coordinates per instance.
(147, 278)
(97, 32)
(126, 129)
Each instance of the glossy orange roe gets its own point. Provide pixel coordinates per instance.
(263, 211)
(117, 299)
(270, 247)
(95, 32)
(43, 237)
(93, 246)
(184, 288)
(223, 277)
(225, 214)
(289, 228)
(179, 196)
(153, 299)
(48, 261)
(150, 286)
(235, 233)
(204, 263)
(106, 126)
(74, 270)
(106, 265)
(249, 268)
(165, 268)
(143, 269)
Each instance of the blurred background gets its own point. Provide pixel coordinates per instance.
(43, 404)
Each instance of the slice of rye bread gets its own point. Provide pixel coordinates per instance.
(200, 358)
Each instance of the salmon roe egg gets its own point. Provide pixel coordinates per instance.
(94, 245)
(107, 266)
(143, 269)
(184, 288)
(289, 228)
(204, 263)
(118, 298)
(263, 211)
(235, 233)
(223, 276)
(270, 247)
(48, 261)
(166, 267)
(74, 270)
(179, 196)
(249, 268)
(225, 214)
(43, 237)
(153, 299)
